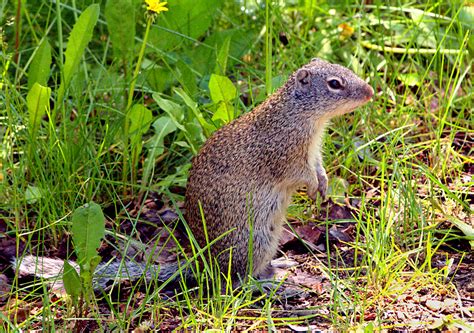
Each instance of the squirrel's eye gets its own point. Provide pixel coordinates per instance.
(335, 84)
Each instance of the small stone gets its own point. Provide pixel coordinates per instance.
(434, 305)
(450, 305)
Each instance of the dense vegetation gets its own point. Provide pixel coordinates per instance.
(108, 102)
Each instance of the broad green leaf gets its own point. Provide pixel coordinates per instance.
(207, 127)
(72, 282)
(186, 99)
(174, 111)
(33, 194)
(196, 136)
(221, 88)
(466, 16)
(40, 65)
(81, 35)
(37, 101)
(140, 119)
(224, 112)
(467, 230)
(185, 19)
(203, 56)
(410, 79)
(223, 92)
(120, 17)
(88, 228)
(187, 78)
(162, 126)
(159, 78)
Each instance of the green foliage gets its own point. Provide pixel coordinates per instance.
(401, 164)
(80, 36)
(206, 127)
(190, 128)
(222, 57)
(40, 65)
(466, 17)
(88, 229)
(185, 20)
(140, 119)
(120, 17)
(38, 104)
(223, 94)
(72, 282)
(88, 225)
(156, 145)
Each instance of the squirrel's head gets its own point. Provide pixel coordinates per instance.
(329, 89)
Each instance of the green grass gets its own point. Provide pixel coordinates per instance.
(403, 161)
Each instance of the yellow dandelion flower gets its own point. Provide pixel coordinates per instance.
(156, 6)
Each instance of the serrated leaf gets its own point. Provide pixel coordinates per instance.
(88, 228)
(40, 65)
(79, 38)
(120, 17)
(37, 102)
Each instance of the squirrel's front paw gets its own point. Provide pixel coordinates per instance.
(322, 181)
(312, 192)
(318, 185)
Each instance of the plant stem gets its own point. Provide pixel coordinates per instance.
(126, 125)
(268, 47)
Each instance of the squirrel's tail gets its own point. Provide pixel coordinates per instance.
(106, 272)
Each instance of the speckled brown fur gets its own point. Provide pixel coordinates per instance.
(247, 171)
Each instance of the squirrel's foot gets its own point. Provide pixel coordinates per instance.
(312, 191)
(319, 185)
(278, 289)
(322, 181)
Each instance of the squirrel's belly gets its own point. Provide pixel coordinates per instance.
(314, 149)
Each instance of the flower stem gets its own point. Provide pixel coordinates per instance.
(126, 152)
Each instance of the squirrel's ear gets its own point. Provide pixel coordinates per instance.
(303, 79)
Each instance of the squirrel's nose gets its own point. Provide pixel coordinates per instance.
(369, 92)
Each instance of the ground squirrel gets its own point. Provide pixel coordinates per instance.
(246, 172)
